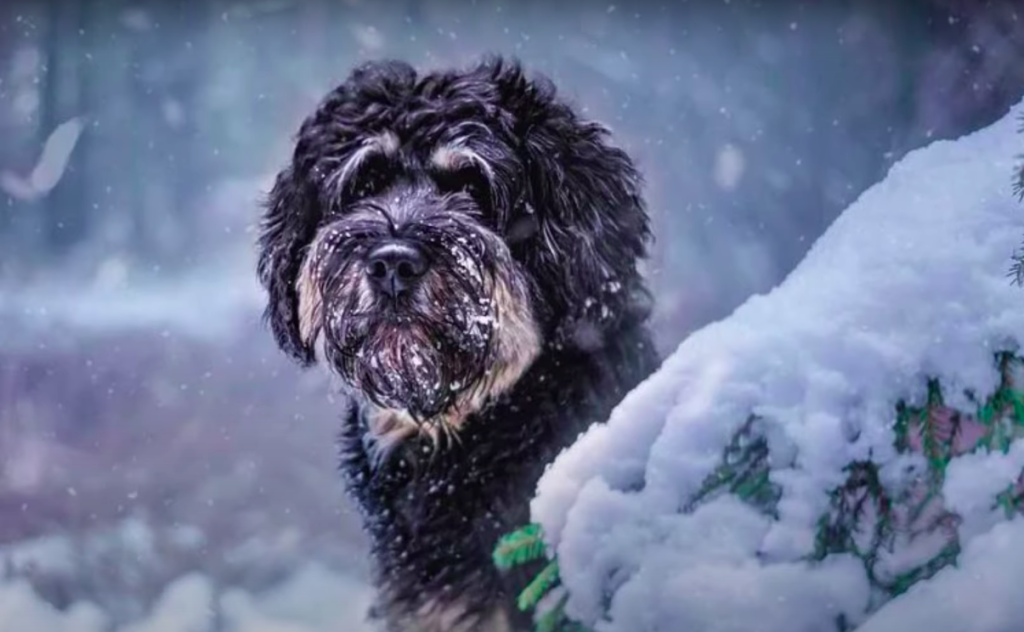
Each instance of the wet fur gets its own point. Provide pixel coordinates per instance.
(528, 327)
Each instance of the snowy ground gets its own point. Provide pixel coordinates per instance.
(164, 469)
(910, 283)
(312, 600)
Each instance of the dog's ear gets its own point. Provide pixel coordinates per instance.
(289, 221)
(593, 226)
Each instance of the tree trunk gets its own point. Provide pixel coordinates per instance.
(65, 210)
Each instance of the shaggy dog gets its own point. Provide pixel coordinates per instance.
(461, 249)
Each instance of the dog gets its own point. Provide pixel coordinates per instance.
(461, 249)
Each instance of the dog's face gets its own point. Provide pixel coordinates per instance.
(432, 235)
(410, 279)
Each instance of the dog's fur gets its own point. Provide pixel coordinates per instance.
(528, 326)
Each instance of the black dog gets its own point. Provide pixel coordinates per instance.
(461, 249)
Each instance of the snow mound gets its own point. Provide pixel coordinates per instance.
(206, 304)
(820, 459)
(21, 609)
(313, 600)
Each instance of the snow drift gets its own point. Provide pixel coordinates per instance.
(843, 452)
(313, 600)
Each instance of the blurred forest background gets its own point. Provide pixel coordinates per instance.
(150, 433)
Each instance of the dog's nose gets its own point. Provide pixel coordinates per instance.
(395, 267)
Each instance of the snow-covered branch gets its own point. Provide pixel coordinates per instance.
(844, 451)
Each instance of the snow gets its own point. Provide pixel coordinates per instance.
(724, 584)
(105, 291)
(314, 599)
(21, 609)
(368, 37)
(186, 606)
(49, 169)
(973, 479)
(909, 283)
(52, 554)
(982, 595)
(227, 295)
(729, 166)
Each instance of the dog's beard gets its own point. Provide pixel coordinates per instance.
(426, 352)
(404, 359)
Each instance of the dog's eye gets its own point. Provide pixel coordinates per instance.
(467, 178)
(372, 176)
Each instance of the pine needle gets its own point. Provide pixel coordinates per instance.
(554, 619)
(544, 581)
(522, 546)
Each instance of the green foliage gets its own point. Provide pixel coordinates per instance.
(867, 521)
(555, 619)
(744, 471)
(538, 587)
(944, 558)
(522, 546)
(1017, 267)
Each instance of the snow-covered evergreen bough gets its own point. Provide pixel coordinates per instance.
(461, 249)
(843, 453)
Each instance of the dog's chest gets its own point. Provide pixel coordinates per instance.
(473, 480)
(432, 506)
